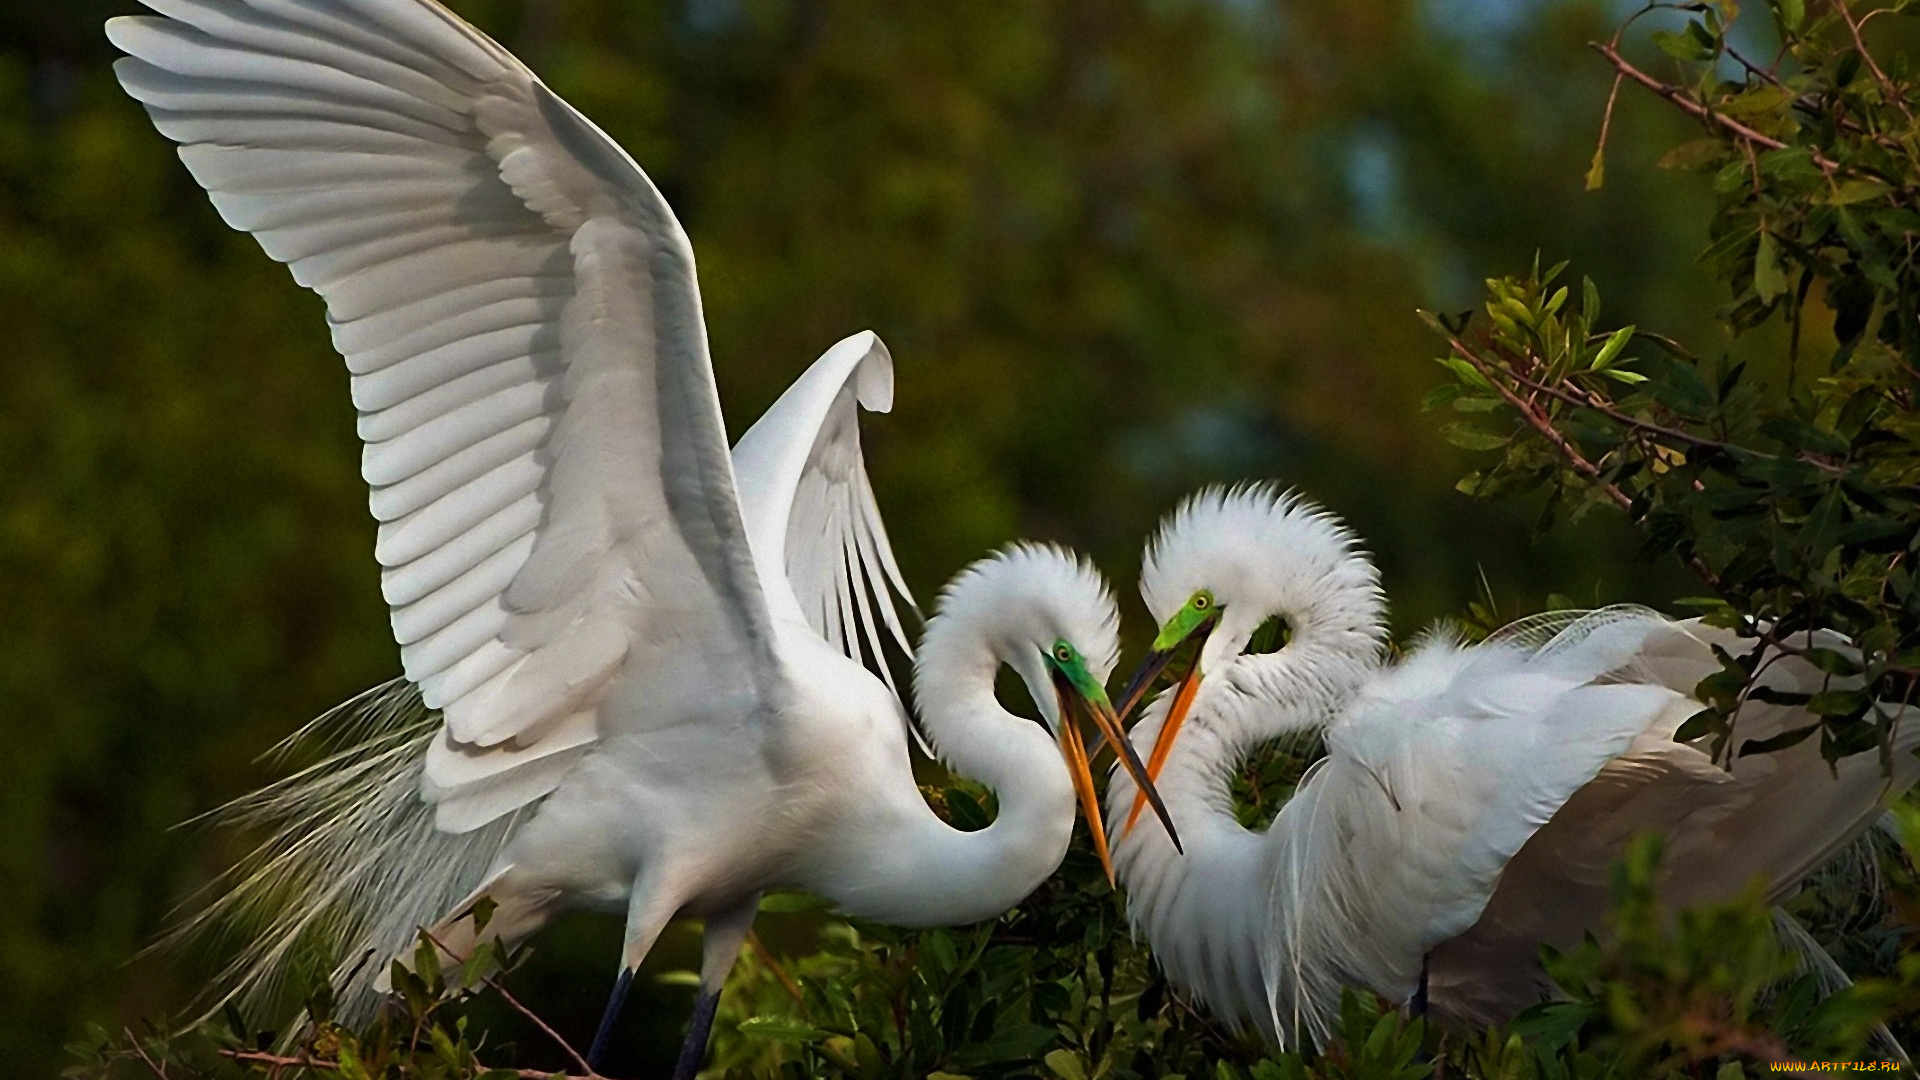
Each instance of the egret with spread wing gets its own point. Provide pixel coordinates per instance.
(640, 652)
(1471, 799)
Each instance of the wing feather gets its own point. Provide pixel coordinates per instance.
(810, 508)
(518, 311)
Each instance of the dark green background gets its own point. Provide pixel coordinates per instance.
(1119, 248)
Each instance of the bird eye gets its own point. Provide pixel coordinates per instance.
(1062, 653)
(1201, 601)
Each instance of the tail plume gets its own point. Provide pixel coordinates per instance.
(351, 866)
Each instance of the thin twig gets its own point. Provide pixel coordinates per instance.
(532, 1016)
(1606, 125)
(158, 1070)
(1543, 424)
(1586, 399)
(1809, 104)
(1539, 422)
(1879, 76)
(766, 957)
(255, 1057)
(1911, 675)
(1686, 104)
(1752, 68)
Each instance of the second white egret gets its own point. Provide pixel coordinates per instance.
(1471, 798)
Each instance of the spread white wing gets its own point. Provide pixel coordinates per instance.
(1472, 803)
(518, 308)
(1433, 779)
(810, 510)
(1777, 817)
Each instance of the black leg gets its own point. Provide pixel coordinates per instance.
(694, 1050)
(597, 1056)
(1418, 1006)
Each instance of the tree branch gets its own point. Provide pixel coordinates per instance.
(495, 984)
(1542, 424)
(276, 1061)
(1886, 85)
(1686, 104)
(773, 964)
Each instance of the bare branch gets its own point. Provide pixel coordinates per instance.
(499, 988)
(773, 964)
(1887, 88)
(277, 1061)
(1685, 103)
(158, 1070)
(1544, 425)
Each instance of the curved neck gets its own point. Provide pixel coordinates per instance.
(911, 868)
(1207, 939)
(1210, 939)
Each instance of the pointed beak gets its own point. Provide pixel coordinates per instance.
(1100, 711)
(1108, 723)
(1150, 669)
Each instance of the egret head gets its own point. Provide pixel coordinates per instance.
(1236, 575)
(1049, 616)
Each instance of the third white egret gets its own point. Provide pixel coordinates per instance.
(642, 663)
(1471, 798)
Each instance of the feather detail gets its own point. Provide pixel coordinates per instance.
(351, 868)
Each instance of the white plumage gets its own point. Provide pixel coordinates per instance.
(1471, 798)
(643, 652)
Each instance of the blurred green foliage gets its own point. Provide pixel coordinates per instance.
(1118, 247)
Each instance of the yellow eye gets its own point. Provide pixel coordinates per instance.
(1201, 601)
(1063, 654)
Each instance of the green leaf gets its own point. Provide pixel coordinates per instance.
(1823, 523)
(483, 910)
(1797, 433)
(1832, 662)
(780, 1029)
(1791, 13)
(1066, 1065)
(1610, 351)
(349, 1064)
(1468, 437)
(1466, 372)
(1840, 702)
(1696, 156)
(1762, 99)
(787, 903)
(1769, 280)
(968, 814)
(1704, 722)
(1684, 46)
(1021, 1042)
(1441, 395)
(1781, 741)
(1849, 192)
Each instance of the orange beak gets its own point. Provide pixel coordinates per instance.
(1163, 743)
(1075, 752)
(1079, 763)
(1150, 668)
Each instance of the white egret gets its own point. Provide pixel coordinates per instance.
(643, 661)
(1471, 798)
